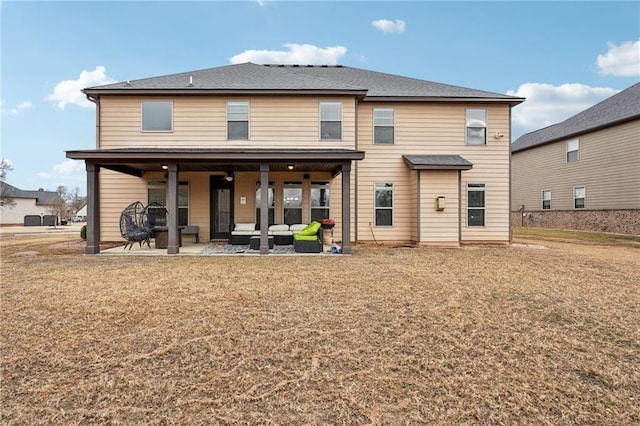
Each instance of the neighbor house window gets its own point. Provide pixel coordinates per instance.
(573, 149)
(475, 204)
(157, 193)
(292, 202)
(271, 203)
(383, 125)
(330, 120)
(384, 203)
(579, 197)
(320, 200)
(157, 116)
(546, 199)
(476, 126)
(238, 120)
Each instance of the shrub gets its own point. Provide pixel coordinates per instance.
(83, 232)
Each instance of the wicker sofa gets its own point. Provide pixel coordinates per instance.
(282, 235)
(309, 239)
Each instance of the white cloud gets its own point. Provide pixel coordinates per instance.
(621, 61)
(300, 54)
(547, 104)
(391, 27)
(69, 91)
(68, 173)
(21, 107)
(261, 2)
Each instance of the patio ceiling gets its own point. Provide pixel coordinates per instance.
(136, 162)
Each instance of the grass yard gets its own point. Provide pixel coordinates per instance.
(479, 335)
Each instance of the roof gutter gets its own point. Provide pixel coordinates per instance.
(187, 91)
(513, 101)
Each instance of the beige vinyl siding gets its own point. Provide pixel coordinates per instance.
(201, 122)
(117, 191)
(607, 167)
(439, 227)
(431, 129)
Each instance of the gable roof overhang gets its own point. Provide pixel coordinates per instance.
(138, 161)
(437, 162)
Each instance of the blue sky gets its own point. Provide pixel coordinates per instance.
(563, 56)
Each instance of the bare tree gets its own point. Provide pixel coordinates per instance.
(75, 200)
(6, 199)
(58, 206)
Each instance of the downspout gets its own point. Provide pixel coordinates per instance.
(509, 196)
(460, 207)
(355, 179)
(96, 100)
(419, 207)
(93, 192)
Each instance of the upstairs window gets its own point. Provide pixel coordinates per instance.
(579, 197)
(546, 199)
(238, 120)
(475, 204)
(157, 116)
(330, 120)
(320, 200)
(383, 125)
(476, 126)
(384, 203)
(573, 149)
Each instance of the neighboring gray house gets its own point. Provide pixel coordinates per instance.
(582, 173)
(26, 203)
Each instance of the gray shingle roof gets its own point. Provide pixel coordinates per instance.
(437, 162)
(41, 197)
(621, 107)
(249, 76)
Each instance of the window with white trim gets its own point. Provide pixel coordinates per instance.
(476, 126)
(320, 200)
(579, 197)
(271, 203)
(238, 120)
(292, 202)
(383, 204)
(157, 116)
(546, 199)
(475, 204)
(157, 193)
(330, 120)
(383, 125)
(573, 150)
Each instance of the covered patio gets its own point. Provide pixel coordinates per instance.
(212, 248)
(138, 161)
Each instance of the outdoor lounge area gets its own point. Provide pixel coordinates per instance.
(245, 238)
(224, 248)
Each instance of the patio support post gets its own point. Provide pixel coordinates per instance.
(346, 207)
(173, 243)
(264, 208)
(93, 209)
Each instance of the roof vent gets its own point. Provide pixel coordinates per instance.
(127, 84)
(190, 81)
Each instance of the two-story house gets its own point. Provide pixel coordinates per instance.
(392, 159)
(582, 173)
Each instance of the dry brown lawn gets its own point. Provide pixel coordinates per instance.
(488, 335)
